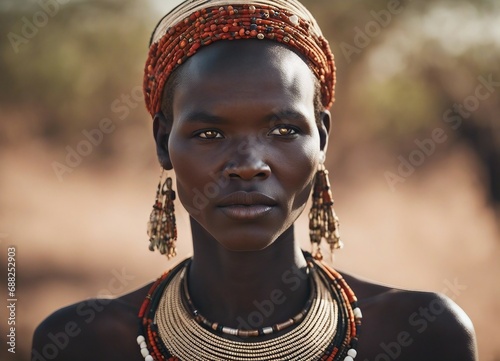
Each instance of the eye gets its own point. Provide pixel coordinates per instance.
(284, 130)
(209, 134)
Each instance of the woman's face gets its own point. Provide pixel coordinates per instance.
(244, 141)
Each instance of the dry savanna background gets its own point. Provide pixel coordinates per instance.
(414, 154)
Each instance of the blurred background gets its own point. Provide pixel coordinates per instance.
(414, 154)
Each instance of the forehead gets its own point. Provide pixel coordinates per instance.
(230, 73)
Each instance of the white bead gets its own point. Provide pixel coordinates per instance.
(294, 19)
(267, 330)
(144, 352)
(322, 157)
(143, 345)
(357, 313)
(352, 352)
(230, 331)
(348, 358)
(149, 358)
(140, 339)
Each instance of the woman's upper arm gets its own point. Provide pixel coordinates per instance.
(446, 332)
(90, 330)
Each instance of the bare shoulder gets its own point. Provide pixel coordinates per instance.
(93, 329)
(411, 325)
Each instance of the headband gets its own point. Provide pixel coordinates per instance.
(197, 23)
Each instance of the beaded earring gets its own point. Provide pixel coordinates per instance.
(323, 222)
(162, 230)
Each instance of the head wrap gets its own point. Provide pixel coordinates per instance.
(197, 23)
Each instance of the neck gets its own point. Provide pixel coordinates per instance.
(250, 289)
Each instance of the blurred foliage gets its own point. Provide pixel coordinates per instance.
(420, 61)
(405, 74)
(72, 69)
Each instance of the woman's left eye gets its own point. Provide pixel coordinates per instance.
(283, 131)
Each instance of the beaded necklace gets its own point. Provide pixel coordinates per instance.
(215, 326)
(328, 329)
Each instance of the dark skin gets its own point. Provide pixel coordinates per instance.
(261, 95)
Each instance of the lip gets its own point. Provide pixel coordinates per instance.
(246, 205)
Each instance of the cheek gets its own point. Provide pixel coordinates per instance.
(198, 181)
(302, 191)
(299, 174)
(185, 164)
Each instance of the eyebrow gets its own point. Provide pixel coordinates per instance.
(288, 114)
(208, 118)
(203, 117)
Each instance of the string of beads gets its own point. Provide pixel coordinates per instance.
(162, 229)
(328, 332)
(259, 21)
(217, 327)
(323, 222)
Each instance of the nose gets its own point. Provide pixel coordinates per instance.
(247, 170)
(247, 165)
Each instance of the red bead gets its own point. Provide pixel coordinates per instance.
(194, 47)
(235, 23)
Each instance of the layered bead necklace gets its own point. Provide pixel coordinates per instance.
(326, 329)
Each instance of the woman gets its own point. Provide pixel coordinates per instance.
(239, 94)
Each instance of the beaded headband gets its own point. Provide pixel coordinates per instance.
(197, 23)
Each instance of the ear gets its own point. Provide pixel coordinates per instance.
(324, 128)
(161, 132)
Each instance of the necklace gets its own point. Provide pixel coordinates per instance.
(327, 330)
(217, 327)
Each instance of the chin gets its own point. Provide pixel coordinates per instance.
(245, 245)
(242, 241)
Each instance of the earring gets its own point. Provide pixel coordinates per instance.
(323, 222)
(162, 230)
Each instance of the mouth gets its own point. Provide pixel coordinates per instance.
(246, 205)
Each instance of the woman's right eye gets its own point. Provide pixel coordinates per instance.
(209, 134)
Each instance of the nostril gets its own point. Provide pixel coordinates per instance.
(247, 170)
